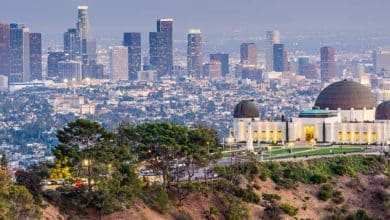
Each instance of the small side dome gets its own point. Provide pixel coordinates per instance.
(383, 111)
(246, 109)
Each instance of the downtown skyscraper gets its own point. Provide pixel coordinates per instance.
(328, 64)
(4, 50)
(79, 45)
(119, 63)
(194, 53)
(133, 42)
(88, 44)
(223, 58)
(36, 56)
(272, 37)
(19, 53)
(248, 53)
(161, 47)
(280, 62)
(72, 43)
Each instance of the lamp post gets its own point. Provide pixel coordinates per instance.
(291, 144)
(313, 142)
(270, 151)
(87, 163)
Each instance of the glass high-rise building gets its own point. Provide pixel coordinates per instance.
(280, 62)
(272, 37)
(165, 25)
(248, 53)
(161, 47)
(157, 49)
(52, 63)
(19, 53)
(118, 63)
(88, 44)
(302, 62)
(4, 49)
(194, 53)
(224, 59)
(72, 43)
(328, 64)
(133, 42)
(36, 56)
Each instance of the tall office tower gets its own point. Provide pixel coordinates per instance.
(36, 56)
(224, 59)
(301, 62)
(248, 53)
(20, 53)
(328, 64)
(381, 61)
(156, 49)
(72, 43)
(133, 43)
(69, 70)
(212, 69)
(4, 50)
(272, 37)
(165, 25)
(161, 47)
(119, 63)
(194, 53)
(88, 44)
(280, 62)
(52, 63)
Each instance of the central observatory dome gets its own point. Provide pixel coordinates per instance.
(346, 95)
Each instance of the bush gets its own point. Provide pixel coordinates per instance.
(271, 197)
(337, 197)
(289, 209)
(256, 186)
(158, 198)
(318, 179)
(236, 209)
(325, 192)
(359, 215)
(264, 174)
(247, 195)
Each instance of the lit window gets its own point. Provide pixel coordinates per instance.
(340, 136)
(365, 136)
(279, 135)
(271, 135)
(255, 135)
(373, 136)
(357, 136)
(348, 136)
(263, 135)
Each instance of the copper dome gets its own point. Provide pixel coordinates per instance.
(246, 109)
(346, 95)
(383, 111)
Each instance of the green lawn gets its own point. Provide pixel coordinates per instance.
(285, 150)
(326, 151)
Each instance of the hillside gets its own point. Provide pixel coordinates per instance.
(362, 185)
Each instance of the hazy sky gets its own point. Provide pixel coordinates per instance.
(212, 16)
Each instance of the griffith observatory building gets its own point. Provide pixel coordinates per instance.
(345, 112)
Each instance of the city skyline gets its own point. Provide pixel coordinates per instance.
(216, 17)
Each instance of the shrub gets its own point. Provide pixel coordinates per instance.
(318, 179)
(236, 209)
(211, 213)
(271, 197)
(247, 195)
(325, 192)
(337, 197)
(289, 209)
(256, 186)
(158, 198)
